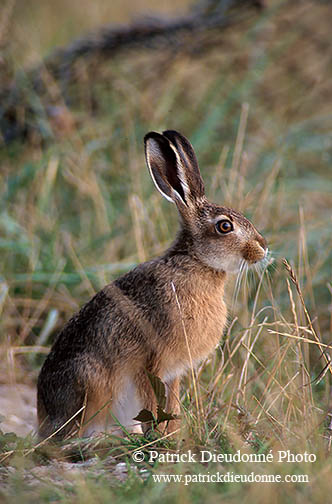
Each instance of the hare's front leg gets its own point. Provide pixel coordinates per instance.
(173, 404)
(147, 398)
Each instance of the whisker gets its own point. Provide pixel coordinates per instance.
(238, 282)
(246, 275)
(246, 283)
(263, 269)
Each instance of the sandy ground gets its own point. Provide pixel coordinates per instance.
(18, 411)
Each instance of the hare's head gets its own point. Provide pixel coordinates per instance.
(218, 236)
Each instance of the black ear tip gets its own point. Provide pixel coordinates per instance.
(171, 132)
(167, 135)
(152, 135)
(176, 138)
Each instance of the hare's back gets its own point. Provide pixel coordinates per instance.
(124, 313)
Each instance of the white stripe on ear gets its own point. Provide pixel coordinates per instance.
(156, 159)
(154, 151)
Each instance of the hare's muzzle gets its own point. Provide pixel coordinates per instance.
(255, 250)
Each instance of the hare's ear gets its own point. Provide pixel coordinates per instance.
(173, 167)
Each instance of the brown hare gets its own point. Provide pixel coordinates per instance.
(162, 317)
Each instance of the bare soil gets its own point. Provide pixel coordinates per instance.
(18, 411)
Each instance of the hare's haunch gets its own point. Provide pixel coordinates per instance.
(161, 317)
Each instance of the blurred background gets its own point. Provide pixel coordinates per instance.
(78, 208)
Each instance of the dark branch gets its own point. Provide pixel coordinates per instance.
(17, 102)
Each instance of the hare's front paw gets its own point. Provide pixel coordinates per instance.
(173, 427)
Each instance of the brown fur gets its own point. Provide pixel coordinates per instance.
(147, 319)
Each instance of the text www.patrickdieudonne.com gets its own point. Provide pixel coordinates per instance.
(206, 456)
(230, 477)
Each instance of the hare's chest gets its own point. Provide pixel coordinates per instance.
(205, 322)
(197, 332)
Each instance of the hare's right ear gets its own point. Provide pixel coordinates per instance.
(170, 171)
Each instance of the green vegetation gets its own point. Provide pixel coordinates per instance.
(79, 208)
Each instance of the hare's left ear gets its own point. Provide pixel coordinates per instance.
(173, 167)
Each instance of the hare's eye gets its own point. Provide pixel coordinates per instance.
(224, 226)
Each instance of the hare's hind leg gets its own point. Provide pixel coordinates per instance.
(97, 415)
(101, 388)
(112, 409)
